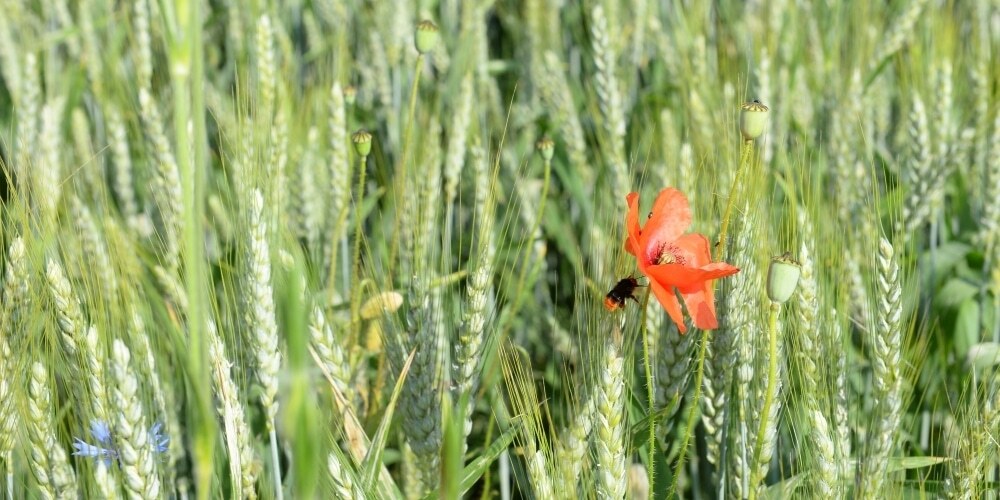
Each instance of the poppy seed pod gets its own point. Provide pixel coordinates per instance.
(753, 119)
(362, 142)
(545, 147)
(427, 36)
(782, 278)
(350, 94)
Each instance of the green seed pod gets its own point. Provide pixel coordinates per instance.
(362, 142)
(782, 278)
(753, 119)
(427, 36)
(545, 147)
(350, 94)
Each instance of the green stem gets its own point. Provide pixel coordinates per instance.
(651, 406)
(9, 460)
(692, 413)
(772, 380)
(356, 289)
(278, 493)
(404, 160)
(746, 153)
(182, 20)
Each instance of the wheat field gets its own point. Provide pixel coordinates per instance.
(499, 249)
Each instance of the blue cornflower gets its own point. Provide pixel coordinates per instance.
(160, 441)
(101, 433)
(105, 447)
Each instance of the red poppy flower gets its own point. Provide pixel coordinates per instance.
(674, 261)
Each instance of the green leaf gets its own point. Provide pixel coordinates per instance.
(946, 258)
(478, 467)
(373, 461)
(966, 327)
(897, 464)
(784, 489)
(955, 291)
(983, 355)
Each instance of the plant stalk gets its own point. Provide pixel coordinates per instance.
(404, 160)
(651, 401)
(772, 380)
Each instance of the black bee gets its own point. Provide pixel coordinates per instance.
(624, 289)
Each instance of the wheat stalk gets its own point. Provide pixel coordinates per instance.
(558, 100)
(898, 34)
(124, 187)
(47, 168)
(886, 349)
(144, 352)
(738, 314)
(421, 408)
(95, 250)
(8, 420)
(135, 448)
(28, 118)
(69, 316)
(331, 354)
(541, 478)
(168, 190)
(107, 481)
(472, 338)
(610, 101)
(340, 177)
(344, 486)
(573, 443)
(266, 67)
(454, 157)
(990, 222)
(811, 353)
(260, 316)
(49, 463)
(244, 466)
(673, 363)
(919, 176)
(610, 420)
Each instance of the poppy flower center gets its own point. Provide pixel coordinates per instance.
(668, 254)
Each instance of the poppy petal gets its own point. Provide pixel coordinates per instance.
(692, 249)
(632, 224)
(677, 275)
(670, 304)
(701, 306)
(671, 216)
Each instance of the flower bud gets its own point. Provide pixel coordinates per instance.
(753, 119)
(545, 147)
(362, 142)
(427, 36)
(782, 278)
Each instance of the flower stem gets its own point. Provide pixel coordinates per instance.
(692, 413)
(772, 379)
(403, 160)
(356, 273)
(651, 401)
(746, 152)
